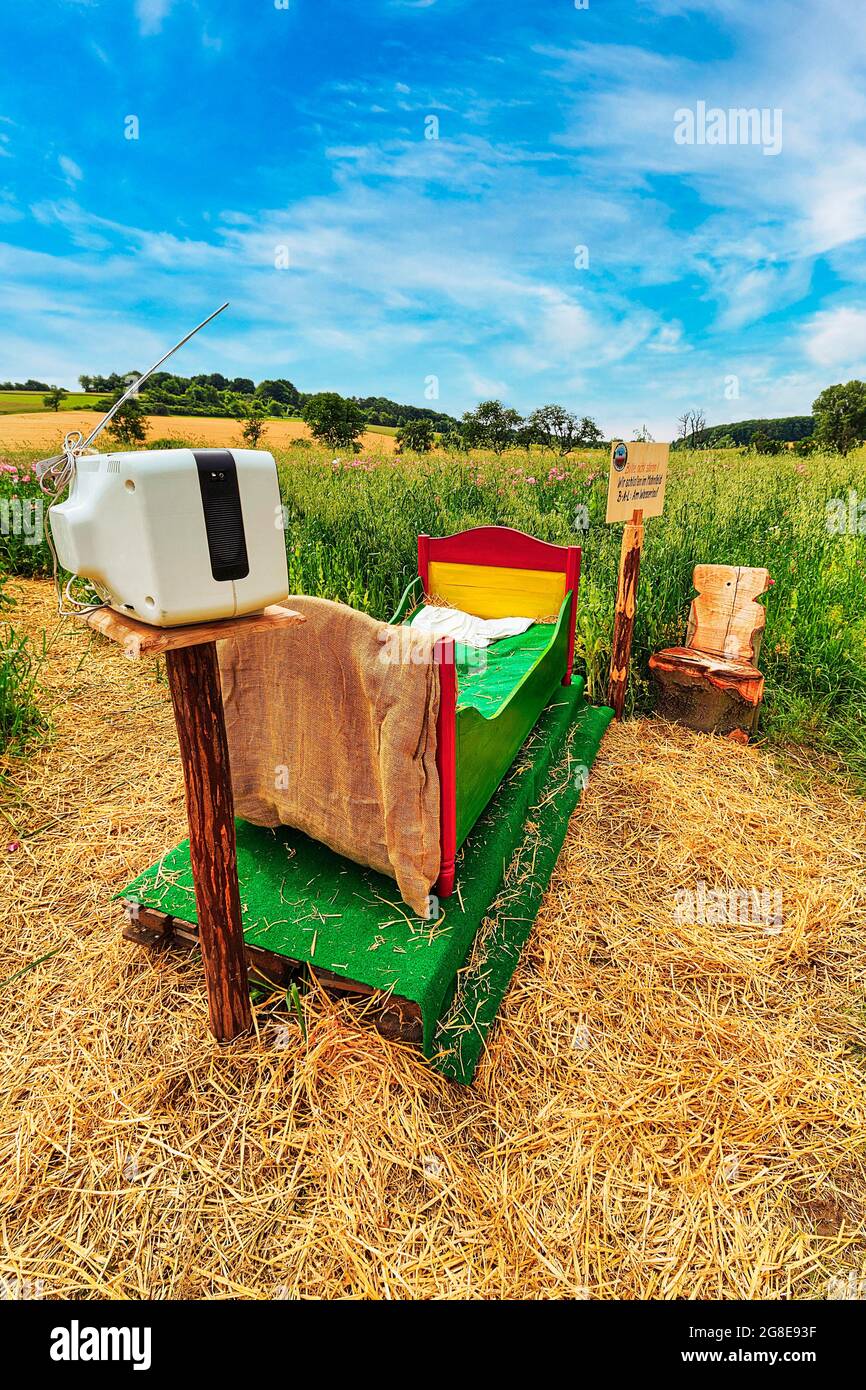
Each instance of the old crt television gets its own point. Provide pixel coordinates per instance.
(174, 536)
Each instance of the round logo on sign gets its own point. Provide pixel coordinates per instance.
(620, 457)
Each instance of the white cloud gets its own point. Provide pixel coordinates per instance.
(752, 291)
(486, 388)
(765, 220)
(150, 14)
(71, 170)
(837, 337)
(668, 339)
(456, 257)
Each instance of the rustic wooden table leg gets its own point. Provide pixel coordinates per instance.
(623, 623)
(193, 674)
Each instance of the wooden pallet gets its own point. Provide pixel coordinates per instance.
(396, 1018)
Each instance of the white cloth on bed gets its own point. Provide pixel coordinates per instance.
(465, 627)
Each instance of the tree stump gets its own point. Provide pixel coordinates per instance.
(713, 684)
(709, 694)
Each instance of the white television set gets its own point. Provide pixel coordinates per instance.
(174, 536)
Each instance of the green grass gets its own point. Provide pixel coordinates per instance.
(23, 549)
(352, 537)
(20, 718)
(26, 402)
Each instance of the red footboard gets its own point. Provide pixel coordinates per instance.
(492, 572)
(446, 763)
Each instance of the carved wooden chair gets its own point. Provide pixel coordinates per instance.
(713, 684)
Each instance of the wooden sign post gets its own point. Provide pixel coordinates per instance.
(636, 488)
(626, 603)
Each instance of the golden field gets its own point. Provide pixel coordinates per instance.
(45, 430)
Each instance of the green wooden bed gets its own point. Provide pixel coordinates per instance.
(490, 700)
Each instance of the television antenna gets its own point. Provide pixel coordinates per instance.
(56, 474)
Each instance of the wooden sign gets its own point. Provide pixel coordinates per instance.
(638, 473)
(635, 489)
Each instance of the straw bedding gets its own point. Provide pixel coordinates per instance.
(666, 1110)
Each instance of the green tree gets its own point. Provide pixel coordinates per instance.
(417, 435)
(203, 399)
(333, 420)
(589, 436)
(491, 426)
(557, 428)
(840, 416)
(129, 427)
(453, 441)
(763, 444)
(211, 379)
(56, 394)
(280, 390)
(252, 414)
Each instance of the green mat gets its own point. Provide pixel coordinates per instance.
(301, 900)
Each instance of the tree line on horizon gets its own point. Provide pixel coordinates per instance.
(837, 422)
(211, 393)
(340, 421)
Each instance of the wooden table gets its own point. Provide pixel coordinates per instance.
(196, 695)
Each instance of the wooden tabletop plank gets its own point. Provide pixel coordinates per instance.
(140, 639)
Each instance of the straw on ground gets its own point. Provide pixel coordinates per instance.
(666, 1109)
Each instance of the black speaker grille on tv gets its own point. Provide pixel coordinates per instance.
(223, 516)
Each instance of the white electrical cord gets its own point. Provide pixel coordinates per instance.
(54, 476)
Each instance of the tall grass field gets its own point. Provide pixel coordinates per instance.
(352, 523)
(16, 402)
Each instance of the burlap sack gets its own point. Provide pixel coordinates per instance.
(332, 729)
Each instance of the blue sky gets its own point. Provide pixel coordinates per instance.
(714, 275)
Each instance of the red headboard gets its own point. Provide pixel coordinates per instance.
(495, 571)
